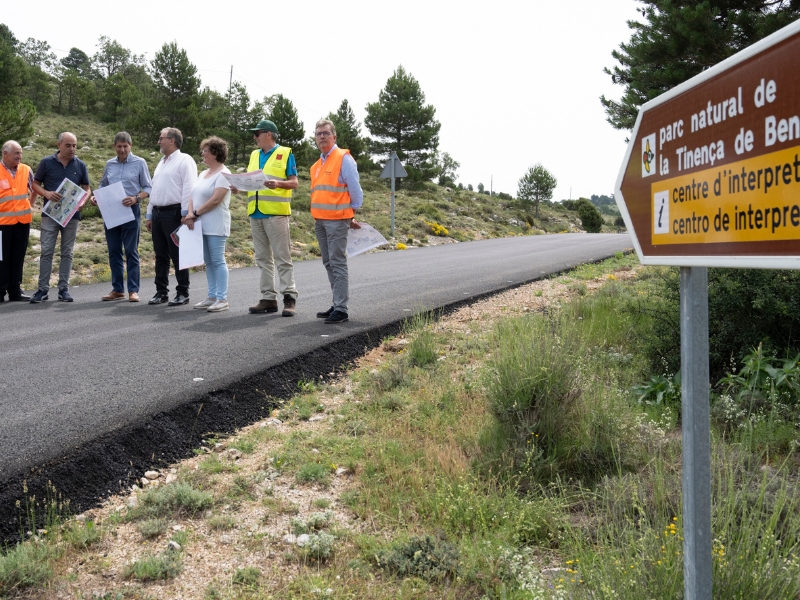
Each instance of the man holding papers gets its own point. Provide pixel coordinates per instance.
(335, 195)
(173, 181)
(132, 176)
(48, 178)
(269, 211)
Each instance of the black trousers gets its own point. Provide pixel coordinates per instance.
(15, 245)
(167, 219)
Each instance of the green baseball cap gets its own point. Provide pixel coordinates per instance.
(264, 125)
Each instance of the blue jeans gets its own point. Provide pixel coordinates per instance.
(216, 267)
(124, 236)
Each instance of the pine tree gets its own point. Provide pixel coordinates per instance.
(290, 127)
(535, 185)
(176, 92)
(241, 115)
(681, 38)
(348, 131)
(400, 121)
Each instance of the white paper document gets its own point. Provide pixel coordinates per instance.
(190, 250)
(361, 240)
(109, 201)
(247, 182)
(72, 198)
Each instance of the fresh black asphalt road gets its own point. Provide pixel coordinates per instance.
(74, 372)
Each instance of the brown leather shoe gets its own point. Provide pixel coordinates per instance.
(113, 296)
(289, 305)
(133, 297)
(264, 306)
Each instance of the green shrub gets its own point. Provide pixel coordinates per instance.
(312, 472)
(153, 568)
(532, 383)
(213, 465)
(424, 557)
(82, 534)
(389, 377)
(25, 565)
(319, 545)
(313, 522)
(591, 219)
(247, 577)
(746, 307)
(428, 210)
(221, 522)
(170, 501)
(150, 528)
(422, 349)
(659, 389)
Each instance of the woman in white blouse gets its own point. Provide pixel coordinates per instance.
(210, 204)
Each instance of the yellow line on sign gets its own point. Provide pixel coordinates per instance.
(753, 200)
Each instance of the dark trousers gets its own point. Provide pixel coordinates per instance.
(124, 236)
(15, 245)
(167, 219)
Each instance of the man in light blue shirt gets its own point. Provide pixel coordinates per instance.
(132, 172)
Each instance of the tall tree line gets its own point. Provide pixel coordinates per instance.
(121, 87)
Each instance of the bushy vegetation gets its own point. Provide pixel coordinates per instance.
(535, 456)
(424, 557)
(746, 308)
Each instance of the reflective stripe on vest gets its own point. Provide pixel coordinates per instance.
(321, 206)
(329, 188)
(15, 206)
(14, 198)
(330, 200)
(271, 202)
(18, 213)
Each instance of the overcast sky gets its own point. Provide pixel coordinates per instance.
(513, 83)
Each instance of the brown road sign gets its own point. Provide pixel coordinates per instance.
(712, 173)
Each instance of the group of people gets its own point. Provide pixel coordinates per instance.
(177, 195)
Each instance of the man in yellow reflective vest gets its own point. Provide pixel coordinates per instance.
(269, 212)
(16, 181)
(335, 194)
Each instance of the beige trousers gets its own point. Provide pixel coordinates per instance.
(272, 246)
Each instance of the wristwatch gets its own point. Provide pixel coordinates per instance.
(138, 199)
(194, 212)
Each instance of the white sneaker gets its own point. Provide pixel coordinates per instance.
(218, 306)
(205, 303)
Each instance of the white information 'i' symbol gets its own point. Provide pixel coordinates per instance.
(661, 212)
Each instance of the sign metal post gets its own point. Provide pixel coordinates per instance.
(393, 168)
(696, 434)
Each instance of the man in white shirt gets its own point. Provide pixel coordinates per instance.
(173, 181)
